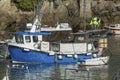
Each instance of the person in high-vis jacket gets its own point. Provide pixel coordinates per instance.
(95, 22)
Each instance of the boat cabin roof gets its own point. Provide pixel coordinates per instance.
(32, 33)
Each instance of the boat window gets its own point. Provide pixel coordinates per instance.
(27, 39)
(79, 38)
(35, 38)
(19, 38)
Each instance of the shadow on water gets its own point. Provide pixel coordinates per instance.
(65, 71)
(3, 68)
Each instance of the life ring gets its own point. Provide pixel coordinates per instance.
(44, 45)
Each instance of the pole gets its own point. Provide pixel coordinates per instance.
(84, 15)
(84, 24)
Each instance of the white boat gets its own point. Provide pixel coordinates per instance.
(114, 29)
(95, 61)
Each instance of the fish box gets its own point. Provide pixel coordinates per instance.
(103, 45)
(103, 40)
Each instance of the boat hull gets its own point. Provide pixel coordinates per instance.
(115, 31)
(20, 55)
(95, 61)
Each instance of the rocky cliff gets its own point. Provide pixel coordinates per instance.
(72, 11)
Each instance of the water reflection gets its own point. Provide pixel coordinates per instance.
(37, 71)
(55, 72)
(31, 72)
(116, 37)
(88, 73)
(114, 63)
(3, 69)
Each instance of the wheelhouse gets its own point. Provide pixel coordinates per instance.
(29, 37)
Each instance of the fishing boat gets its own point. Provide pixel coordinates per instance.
(114, 29)
(30, 47)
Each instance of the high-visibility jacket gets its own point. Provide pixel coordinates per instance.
(95, 21)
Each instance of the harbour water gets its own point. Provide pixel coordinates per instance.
(64, 71)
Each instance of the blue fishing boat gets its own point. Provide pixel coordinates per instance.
(30, 47)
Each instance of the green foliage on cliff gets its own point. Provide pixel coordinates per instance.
(51, 0)
(26, 5)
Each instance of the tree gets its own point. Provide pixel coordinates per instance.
(26, 5)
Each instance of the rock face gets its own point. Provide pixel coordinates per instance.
(109, 11)
(60, 11)
(11, 19)
(75, 12)
(6, 13)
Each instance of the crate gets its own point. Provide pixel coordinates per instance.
(103, 43)
(103, 40)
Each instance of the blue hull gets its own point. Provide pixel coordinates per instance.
(20, 55)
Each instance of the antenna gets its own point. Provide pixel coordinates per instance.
(38, 17)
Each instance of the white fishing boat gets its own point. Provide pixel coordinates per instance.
(95, 61)
(114, 29)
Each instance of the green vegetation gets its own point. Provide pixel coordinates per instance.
(51, 0)
(26, 5)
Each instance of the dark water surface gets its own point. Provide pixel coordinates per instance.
(64, 71)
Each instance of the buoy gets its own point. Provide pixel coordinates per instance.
(59, 57)
(75, 56)
(94, 55)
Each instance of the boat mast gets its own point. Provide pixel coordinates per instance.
(84, 15)
(38, 17)
(84, 23)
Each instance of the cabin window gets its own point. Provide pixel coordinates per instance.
(35, 38)
(79, 38)
(27, 39)
(19, 38)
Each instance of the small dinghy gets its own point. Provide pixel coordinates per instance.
(95, 61)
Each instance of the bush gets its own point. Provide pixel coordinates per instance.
(26, 5)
